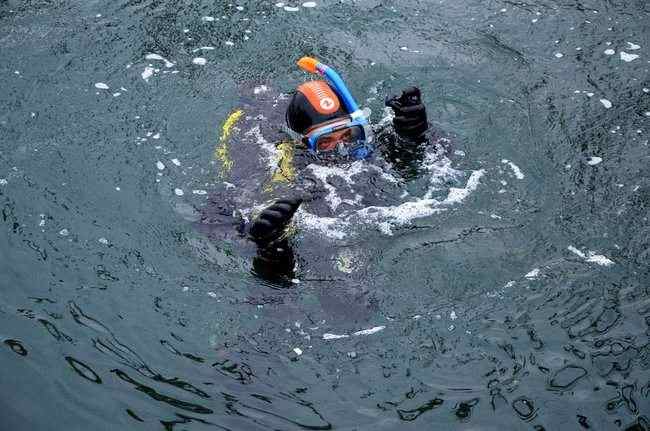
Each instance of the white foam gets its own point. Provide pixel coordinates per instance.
(160, 165)
(369, 331)
(270, 151)
(156, 136)
(204, 48)
(599, 259)
(385, 218)
(200, 61)
(3, 181)
(291, 9)
(176, 162)
(309, 4)
(179, 192)
(606, 103)
(199, 192)
(457, 195)
(388, 217)
(532, 274)
(147, 73)
(207, 18)
(559, 55)
(229, 43)
(260, 89)
(440, 171)
(324, 172)
(64, 232)
(328, 336)
(168, 63)
(103, 240)
(633, 46)
(591, 256)
(515, 169)
(101, 86)
(593, 161)
(330, 227)
(628, 57)
(609, 51)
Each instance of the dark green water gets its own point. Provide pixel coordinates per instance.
(524, 306)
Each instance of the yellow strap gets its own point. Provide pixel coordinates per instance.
(222, 152)
(285, 172)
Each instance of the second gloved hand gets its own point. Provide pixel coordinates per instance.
(273, 220)
(410, 114)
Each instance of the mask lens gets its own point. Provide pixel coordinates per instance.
(347, 136)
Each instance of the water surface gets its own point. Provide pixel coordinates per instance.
(523, 306)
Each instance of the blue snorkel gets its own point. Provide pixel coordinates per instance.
(358, 117)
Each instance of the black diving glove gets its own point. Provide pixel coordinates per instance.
(410, 115)
(273, 220)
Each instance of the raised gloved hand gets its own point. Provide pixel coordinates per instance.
(273, 220)
(410, 115)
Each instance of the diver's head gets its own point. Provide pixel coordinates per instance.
(318, 117)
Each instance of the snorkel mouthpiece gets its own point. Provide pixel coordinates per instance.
(308, 64)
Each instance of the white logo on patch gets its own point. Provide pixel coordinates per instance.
(326, 103)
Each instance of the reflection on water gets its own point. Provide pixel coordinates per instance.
(17, 347)
(522, 306)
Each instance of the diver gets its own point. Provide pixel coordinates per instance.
(324, 118)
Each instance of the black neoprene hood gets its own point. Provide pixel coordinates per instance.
(301, 115)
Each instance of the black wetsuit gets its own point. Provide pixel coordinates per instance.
(263, 235)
